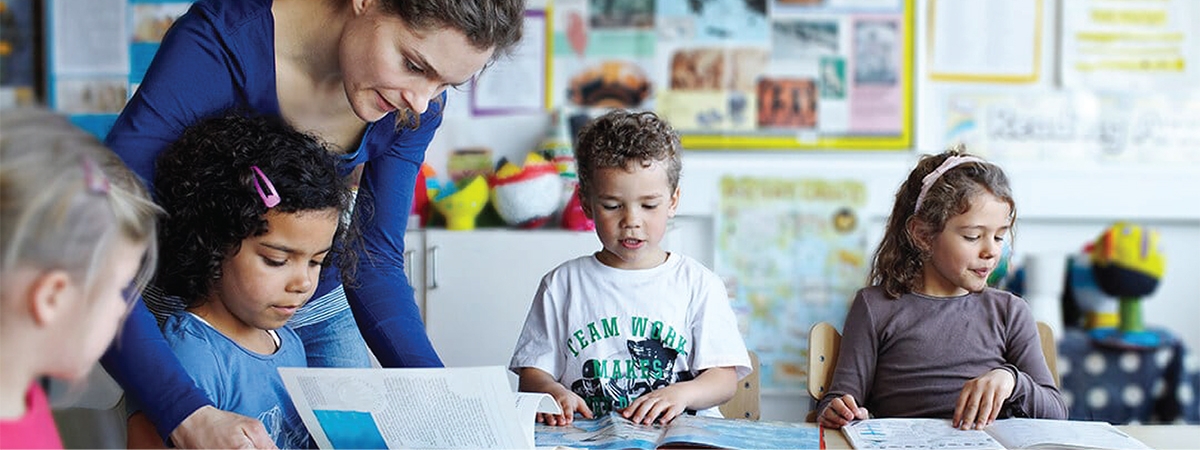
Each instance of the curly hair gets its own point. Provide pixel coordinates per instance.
(205, 182)
(899, 261)
(620, 139)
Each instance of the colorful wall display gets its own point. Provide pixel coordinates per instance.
(743, 74)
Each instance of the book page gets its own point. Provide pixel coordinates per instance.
(738, 433)
(608, 431)
(915, 433)
(467, 407)
(1028, 433)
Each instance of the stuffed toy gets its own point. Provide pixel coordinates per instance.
(526, 197)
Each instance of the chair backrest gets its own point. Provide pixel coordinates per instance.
(823, 343)
(1049, 349)
(745, 402)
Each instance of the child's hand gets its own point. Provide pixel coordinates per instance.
(841, 411)
(981, 399)
(663, 404)
(570, 402)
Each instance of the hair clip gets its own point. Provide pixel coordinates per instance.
(949, 163)
(93, 178)
(269, 198)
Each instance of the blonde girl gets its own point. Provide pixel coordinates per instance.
(928, 338)
(77, 241)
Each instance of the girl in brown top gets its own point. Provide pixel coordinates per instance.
(928, 338)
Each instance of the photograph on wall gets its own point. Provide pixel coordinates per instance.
(792, 252)
(787, 103)
(719, 21)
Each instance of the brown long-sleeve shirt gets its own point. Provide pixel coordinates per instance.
(909, 357)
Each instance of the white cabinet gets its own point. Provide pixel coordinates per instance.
(477, 286)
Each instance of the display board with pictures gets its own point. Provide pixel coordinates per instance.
(743, 74)
(97, 53)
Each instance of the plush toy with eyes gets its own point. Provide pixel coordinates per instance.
(527, 196)
(1127, 263)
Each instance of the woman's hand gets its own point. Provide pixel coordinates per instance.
(841, 411)
(210, 427)
(981, 399)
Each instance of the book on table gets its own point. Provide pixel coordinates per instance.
(459, 407)
(903, 433)
(612, 431)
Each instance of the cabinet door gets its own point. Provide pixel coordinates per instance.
(414, 265)
(479, 285)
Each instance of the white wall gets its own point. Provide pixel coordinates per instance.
(1061, 205)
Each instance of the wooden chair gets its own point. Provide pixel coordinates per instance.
(745, 402)
(1049, 350)
(824, 341)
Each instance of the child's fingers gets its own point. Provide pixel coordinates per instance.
(585, 410)
(967, 409)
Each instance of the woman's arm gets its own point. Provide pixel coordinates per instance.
(192, 76)
(381, 297)
(144, 365)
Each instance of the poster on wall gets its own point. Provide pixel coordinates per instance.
(1077, 126)
(1130, 44)
(792, 252)
(18, 44)
(732, 74)
(97, 53)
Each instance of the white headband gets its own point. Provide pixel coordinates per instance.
(948, 164)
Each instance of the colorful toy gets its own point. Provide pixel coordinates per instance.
(422, 195)
(1091, 308)
(526, 197)
(460, 206)
(1128, 263)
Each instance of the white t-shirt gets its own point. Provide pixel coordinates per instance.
(611, 335)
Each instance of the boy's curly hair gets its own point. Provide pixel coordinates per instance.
(205, 184)
(621, 139)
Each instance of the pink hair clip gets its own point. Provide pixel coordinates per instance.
(948, 164)
(270, 198)
(93, 178)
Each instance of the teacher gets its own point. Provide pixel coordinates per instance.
(369, 78)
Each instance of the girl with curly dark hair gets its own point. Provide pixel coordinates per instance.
(255, 210)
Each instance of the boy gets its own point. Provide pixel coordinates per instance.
(631, 328)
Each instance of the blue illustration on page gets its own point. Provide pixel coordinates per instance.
(350, 429)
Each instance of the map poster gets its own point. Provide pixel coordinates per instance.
(792, 252)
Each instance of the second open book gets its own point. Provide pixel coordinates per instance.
(901, 433)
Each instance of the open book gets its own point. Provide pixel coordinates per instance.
(467, 407)
(615, 432)
(1006, 433)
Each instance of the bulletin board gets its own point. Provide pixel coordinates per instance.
(743, 74)
(97, 52)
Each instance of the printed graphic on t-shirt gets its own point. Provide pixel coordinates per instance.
(646, 363)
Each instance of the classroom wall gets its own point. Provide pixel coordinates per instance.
(1061, 204)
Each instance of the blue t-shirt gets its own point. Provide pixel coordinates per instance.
(221, 55)
(239, 380)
